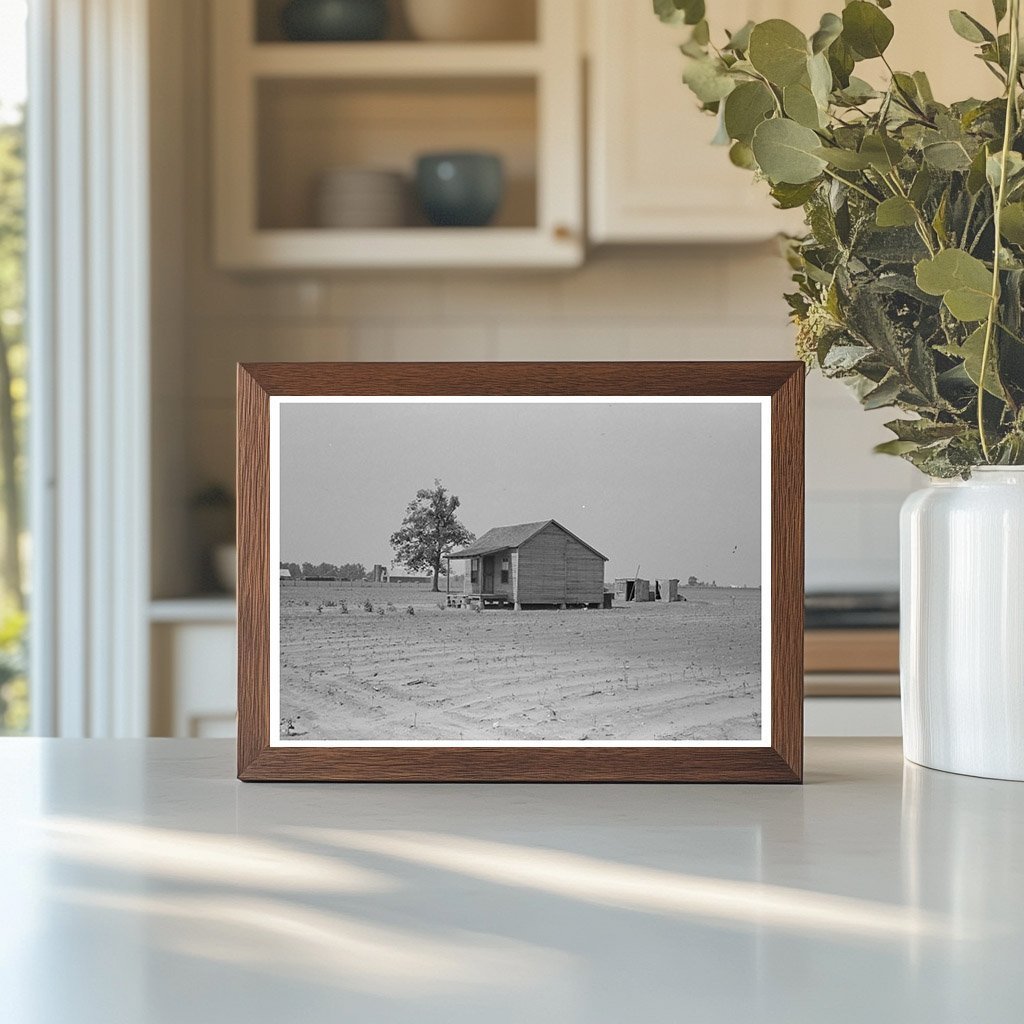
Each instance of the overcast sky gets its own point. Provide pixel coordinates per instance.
(673, 488)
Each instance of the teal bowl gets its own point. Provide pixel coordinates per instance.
(460, 190)
(334, 21)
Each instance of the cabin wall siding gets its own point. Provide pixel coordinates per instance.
(553, 568)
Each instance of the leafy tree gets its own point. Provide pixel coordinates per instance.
(430, 530)
(12, 349)
(352, 571)
(14, 706)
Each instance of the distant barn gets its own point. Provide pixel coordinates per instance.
(533, 564)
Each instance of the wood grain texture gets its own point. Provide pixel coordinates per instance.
(852, 650)
(782, 762)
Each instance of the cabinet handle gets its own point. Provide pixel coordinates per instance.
(563, 232)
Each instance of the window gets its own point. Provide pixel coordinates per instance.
(474, 570)
(14, 693)
(504, 570)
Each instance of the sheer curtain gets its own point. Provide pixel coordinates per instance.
(88, 300)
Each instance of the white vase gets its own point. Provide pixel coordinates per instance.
(962, 624)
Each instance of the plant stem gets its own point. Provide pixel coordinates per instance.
(922, 225)
(856, 188)
(1000, 198)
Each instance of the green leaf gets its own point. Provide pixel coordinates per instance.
(885, 394)
(924, 87)
(976, 173)
(675, 12)
(844, 159)
(1014, 169)
(999, 7)
(858, 91)
(896, 212)
(896, 447)
(820, 76)
(883, 153)
(746, 107)
(741, 155)
(866, 29)
(963, 281)
(708, 80)
(939, 220)
(921, 185)
(739, 41)
(789, 197)
(841, 60)
(778, 50)
(969, 28)
(829, 30)
(971, 352)
(1012, 225)
(923, 431)
(800, 105)
(785, 152)
(947, 156)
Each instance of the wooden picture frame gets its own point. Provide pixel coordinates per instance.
(779, 758)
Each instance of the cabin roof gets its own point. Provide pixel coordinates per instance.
(503, 538)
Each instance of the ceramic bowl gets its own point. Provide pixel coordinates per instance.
(360, 197)
(460, 189)
(471, 20)
(334, 20)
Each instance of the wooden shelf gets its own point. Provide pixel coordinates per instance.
(393, 60)
(852, 650)
(401, 247)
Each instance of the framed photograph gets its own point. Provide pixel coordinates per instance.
(550, 572)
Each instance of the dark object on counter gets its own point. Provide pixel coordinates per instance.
(852, 610)
(460, 189)
(332, 21)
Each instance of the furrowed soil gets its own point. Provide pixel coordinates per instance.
(690, 670)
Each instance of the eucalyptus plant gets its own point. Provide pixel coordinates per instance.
(910, 278)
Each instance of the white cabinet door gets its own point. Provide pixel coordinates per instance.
(653, 175)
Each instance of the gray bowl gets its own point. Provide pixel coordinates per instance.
(334, 20)
(461, 190)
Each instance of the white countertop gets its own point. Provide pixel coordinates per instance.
(143, 885)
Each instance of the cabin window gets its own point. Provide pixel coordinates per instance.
(474, 570)
(504, 570)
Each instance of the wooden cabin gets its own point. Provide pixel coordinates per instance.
(532, 564)
(668, 590)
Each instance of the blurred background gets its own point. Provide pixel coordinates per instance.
(243, 180)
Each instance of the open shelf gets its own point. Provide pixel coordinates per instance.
(308, 127)
(286, 114)
(520, 17)
(392, 60)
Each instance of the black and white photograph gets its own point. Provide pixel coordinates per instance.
(560, 571)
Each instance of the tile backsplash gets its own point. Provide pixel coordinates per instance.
(721, 302)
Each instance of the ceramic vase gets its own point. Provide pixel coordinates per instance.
(962, 624)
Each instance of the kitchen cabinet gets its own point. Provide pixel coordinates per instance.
(192, 648)
(286, 113)
(653, 175)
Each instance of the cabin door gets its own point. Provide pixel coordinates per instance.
(488, 585)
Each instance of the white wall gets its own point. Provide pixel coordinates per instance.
(654, 303)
